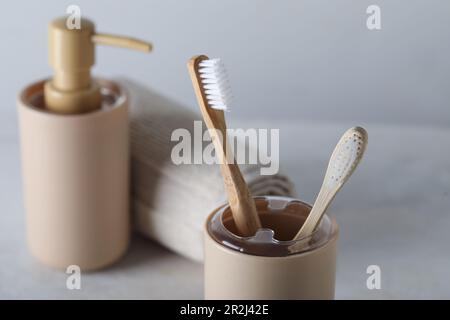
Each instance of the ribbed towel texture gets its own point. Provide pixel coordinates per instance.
(171, 202)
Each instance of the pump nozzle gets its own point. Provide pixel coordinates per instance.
(71, 55)
(120, 41)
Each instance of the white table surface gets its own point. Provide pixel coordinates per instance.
(394, 212)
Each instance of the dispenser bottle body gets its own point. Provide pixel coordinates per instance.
(75, 171)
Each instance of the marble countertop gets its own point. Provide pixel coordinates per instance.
(394, 213)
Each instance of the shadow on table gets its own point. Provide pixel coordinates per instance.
(142, 251)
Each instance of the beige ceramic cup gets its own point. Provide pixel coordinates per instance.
(75, 172)
(270, 265)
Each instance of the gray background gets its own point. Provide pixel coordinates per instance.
(286, 59)
(310, 68)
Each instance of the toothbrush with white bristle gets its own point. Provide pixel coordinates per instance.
(214, 96)
(343, 162)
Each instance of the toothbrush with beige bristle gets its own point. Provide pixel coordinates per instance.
(213, 94)
(343, 162)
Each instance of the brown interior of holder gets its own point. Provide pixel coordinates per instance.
(285, 222)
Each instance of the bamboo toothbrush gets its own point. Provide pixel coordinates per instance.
(213, 95)
(343, 162)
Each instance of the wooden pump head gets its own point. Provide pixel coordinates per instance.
(71, 55)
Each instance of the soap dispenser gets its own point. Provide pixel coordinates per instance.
(75, 154)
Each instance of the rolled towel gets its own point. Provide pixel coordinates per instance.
(171, 202)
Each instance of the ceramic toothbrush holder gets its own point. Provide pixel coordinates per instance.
(270, 265)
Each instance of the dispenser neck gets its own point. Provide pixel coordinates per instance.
(72, 80)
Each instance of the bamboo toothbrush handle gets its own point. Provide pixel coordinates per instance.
(240, 200)
(345, 158)
(323, 201)
(239, 197)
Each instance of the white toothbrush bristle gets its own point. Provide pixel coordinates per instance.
(215, 84)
